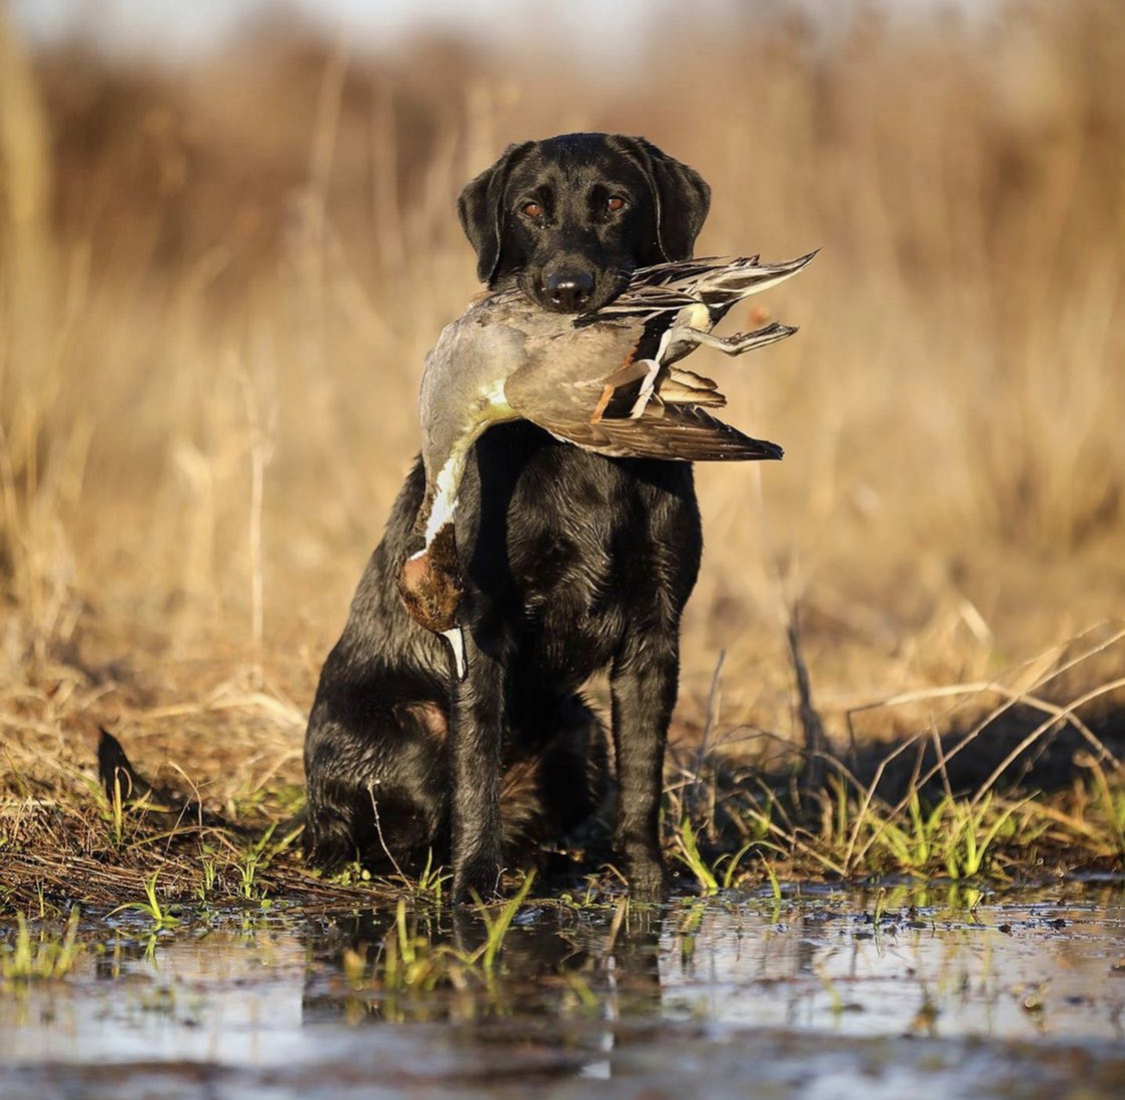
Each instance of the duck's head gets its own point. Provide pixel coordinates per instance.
(430, 583)
(431, 588)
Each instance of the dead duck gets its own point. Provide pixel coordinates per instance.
(606, 381)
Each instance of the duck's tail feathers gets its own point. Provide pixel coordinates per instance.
(722, 286)
(718, 282)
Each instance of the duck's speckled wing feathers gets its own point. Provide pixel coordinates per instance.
(679, 433)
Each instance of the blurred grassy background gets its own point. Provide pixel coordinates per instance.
(218, 279)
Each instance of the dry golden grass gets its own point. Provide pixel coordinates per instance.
(217, 285)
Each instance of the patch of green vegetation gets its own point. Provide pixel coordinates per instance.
(208, 872)
(1108, 807)
(276, 800)
(687, 851)
(410, 964)
(429, 886)
(498, 925)
(45, 956)
(848, 831)
(151, 907)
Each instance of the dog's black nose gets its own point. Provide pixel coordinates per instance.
(569, 290)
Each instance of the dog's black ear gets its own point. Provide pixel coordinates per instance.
(481, 210)
(680, 195)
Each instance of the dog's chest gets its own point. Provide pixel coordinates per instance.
(590, 546)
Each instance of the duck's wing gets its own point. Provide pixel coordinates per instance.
(679, 433)
(620, 415)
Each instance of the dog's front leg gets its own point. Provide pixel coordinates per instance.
(643, 683)
(476, 733)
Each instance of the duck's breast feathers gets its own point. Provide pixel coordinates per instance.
(462, 388)
(562, 377)
(472, 355)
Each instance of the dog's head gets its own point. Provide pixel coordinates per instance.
(570, 218)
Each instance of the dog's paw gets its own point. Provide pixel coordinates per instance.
(477, 879)
(647, 879)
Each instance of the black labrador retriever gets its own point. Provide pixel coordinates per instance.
(575, 563)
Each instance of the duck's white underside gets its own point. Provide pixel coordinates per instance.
(491, 408)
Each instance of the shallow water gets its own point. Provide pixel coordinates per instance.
(948, 994)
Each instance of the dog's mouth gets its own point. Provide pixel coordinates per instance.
(574, 297)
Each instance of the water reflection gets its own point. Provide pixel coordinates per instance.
(580, 991)
(934, 964)
(554, 963)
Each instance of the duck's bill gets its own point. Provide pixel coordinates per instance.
(676, 434)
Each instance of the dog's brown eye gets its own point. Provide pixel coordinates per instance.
(615, 202)
(533, 209)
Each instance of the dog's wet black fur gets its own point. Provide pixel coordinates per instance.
(575, 563)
